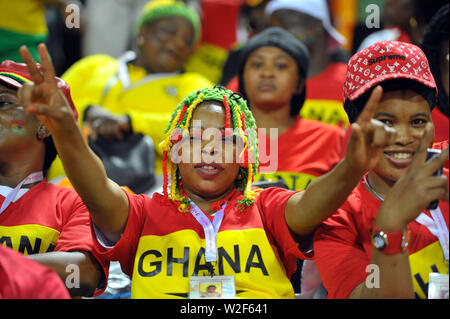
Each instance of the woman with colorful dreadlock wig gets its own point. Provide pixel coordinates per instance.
(239, 123)
(209, 226)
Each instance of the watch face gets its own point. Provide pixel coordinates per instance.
(378, 241)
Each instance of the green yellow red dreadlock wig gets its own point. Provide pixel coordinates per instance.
(237, 117)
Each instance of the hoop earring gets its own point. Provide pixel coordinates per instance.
(42, 133)
(412, 22)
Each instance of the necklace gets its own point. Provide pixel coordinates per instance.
(216, 206)
(370, 188)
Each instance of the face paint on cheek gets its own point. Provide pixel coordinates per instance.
(18, 121)
(13, 124)
(18, 127)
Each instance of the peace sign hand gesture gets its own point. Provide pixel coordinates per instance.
(43, 97)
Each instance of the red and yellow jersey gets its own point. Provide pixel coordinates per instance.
(218, 18)
(46, 218)
(161, 248)
(308, 149)
(324, 96)
(343, 249)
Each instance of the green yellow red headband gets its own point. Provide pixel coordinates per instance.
(238, 117)
(158, 9)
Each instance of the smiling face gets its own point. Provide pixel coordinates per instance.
(408, 113)
(204, 178)
(166, 44)
(271, 78)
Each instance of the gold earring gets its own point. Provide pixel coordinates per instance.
(42, 133)
(412, 22)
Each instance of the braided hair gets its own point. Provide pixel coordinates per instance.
(238, 117)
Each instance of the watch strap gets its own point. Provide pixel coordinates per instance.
(395, 242)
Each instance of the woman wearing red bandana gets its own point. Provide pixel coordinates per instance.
(386, 239)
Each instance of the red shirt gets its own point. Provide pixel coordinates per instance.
(328, 84)
(47, 218)
(342, 246)
(441, 126)
(306, 150)
(161, 247)
(23, 278)
(324, 96)
(220, 19)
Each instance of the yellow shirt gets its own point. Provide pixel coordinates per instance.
(23, 16)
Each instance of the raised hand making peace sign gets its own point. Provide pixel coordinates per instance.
(43, 96)
(84, 169)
